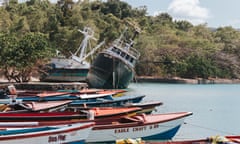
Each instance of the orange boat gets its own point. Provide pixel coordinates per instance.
(69, 114)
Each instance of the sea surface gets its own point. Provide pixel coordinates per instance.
(215, 107)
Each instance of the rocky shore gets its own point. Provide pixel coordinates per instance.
(186, 81)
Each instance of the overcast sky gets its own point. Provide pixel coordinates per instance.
(215, 13)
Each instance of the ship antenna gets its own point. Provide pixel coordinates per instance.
(88, 34)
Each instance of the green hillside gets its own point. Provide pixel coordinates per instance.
(31, 32)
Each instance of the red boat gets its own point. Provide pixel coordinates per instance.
(11, 90)
(147, 107)
(69, 114)
(16, 107)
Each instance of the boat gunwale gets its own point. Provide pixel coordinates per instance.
(51, 132)
(141, 123)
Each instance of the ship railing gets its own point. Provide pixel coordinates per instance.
(126, 47)
(134, 52)
(130, 60)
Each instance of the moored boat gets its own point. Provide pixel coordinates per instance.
(75, 68)
(63, 96)
(69, 114)
(148, 127)
(91, 100)
(209, 140)
(147, 107)
(109, 102)
(113, 68)
(33, 106)
(54, 134)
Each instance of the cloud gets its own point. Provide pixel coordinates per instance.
(189, 10)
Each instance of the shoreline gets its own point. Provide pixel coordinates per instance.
(153, 79)
(178, 80)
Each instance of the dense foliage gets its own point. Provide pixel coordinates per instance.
(31, 32)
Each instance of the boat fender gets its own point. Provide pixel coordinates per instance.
(218, 139)
(91, 114)
(130, 141)
(12, 90)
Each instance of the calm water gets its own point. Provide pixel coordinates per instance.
(216, 108)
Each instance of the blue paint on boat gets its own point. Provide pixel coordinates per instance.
(78, 142)
(114, 101)
(165, 135)
(49, 98)
(20, 131)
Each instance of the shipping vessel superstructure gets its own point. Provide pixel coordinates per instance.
(76, 67)
(113, 68)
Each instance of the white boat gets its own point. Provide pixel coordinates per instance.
(58, 134)
(147, 127)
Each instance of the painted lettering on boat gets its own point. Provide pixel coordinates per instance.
(121, 130)
(135, 129)
(57, 138)
(139, 129)
(153, 126)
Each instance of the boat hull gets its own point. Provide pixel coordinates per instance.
(65, 75)
(68, 134)
(109, 72)
(115, 102)
(154, 130)
(71, 114)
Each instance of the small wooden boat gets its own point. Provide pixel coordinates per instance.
(109, 101)
(23, 93)
(154, 126)
(103, 99)
(209, 140)
(12, 91)
(69, 114)
(90, 100)
(108, 95)
(148, 127)
(33, 106)
(55, 134)
(147, 107)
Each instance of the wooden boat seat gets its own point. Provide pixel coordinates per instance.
(141, 117)
(129, 120)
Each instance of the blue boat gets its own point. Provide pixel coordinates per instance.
(102, 100)
(108, 101)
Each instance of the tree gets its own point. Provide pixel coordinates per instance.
(183, 25)
(21, 58)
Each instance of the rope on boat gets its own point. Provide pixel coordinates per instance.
(211, 129)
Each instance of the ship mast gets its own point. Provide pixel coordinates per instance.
(88, 34)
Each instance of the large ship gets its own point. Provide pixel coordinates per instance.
(113, 68)
(76, 67)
